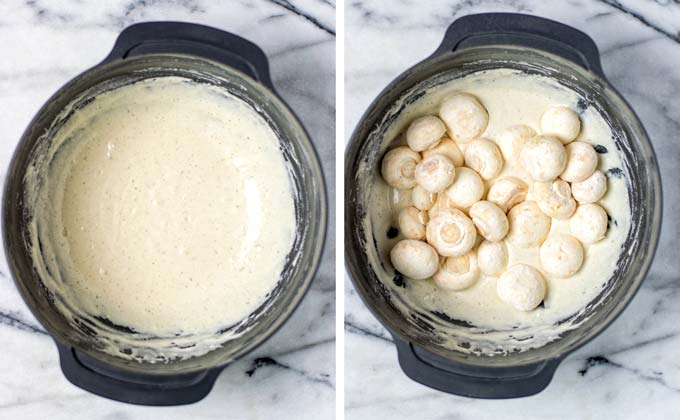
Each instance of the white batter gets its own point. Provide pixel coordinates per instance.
(511, 98)
(167, 208)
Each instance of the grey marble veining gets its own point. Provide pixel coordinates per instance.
(46, 43)
(631, 370)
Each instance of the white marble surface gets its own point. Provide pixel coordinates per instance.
(631, 371)
(46, 43)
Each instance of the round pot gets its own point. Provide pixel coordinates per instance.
(205, 55)
(533, 45)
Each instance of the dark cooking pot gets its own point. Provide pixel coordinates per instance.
(205, 55)
(532, 45)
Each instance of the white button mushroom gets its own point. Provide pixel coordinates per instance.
(522, 287)
(507, 192)
(589, 223)
(414, 259)
(491, 221)
(529, 226)
(466, 190)
(451, 233)
(464, 116)
(554, 199)
(492, 257)
(544, 158)
(399, 168)
(457, 273)
(424, 133)
(562, 123)
(581, 162)
(484, 157)
(590, 189)
(512, 139)
(561, 255)
(448, 148)
(412, 223)
(443, 203)
(422, 199)
(435, 173)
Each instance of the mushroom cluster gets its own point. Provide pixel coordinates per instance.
(457, 229)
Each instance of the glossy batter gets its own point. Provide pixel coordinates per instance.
(511, 98)
(166, 209)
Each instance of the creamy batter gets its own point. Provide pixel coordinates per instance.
(164, 207)
(511, 98)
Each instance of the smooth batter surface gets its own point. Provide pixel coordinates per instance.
(167, 209)
(511, 98)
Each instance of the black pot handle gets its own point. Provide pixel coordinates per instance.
(522, 30)
(94, 376)
(190, 38)
(483, 382)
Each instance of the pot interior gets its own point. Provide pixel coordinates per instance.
(455, 339)
(99, 337)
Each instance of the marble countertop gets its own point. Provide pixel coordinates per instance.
(46, 43)
(631, 371)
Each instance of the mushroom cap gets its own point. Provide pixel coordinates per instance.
(591, 189)
(561, 255)
(412, 223)
(422, 199)
(544, 158)
(529, 226)
(448, 148)
(414, 259)
(581, 161)
(399, 168)
(435, 173)
(443, 203)
(485, 158)
(457, 273)
(424, 133)
(492, 257)
(466, 190)
(451, 233)
(589, 223)
(554, 198)
(491, 221)
(507, 192)
(512, 139)
(561, 122)
(465, 118)
(522, 287)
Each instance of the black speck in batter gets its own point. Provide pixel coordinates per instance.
(581, 105)
(600, 149)
(611, 221)
(399, 280)
(392, 232)
(615, 172)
